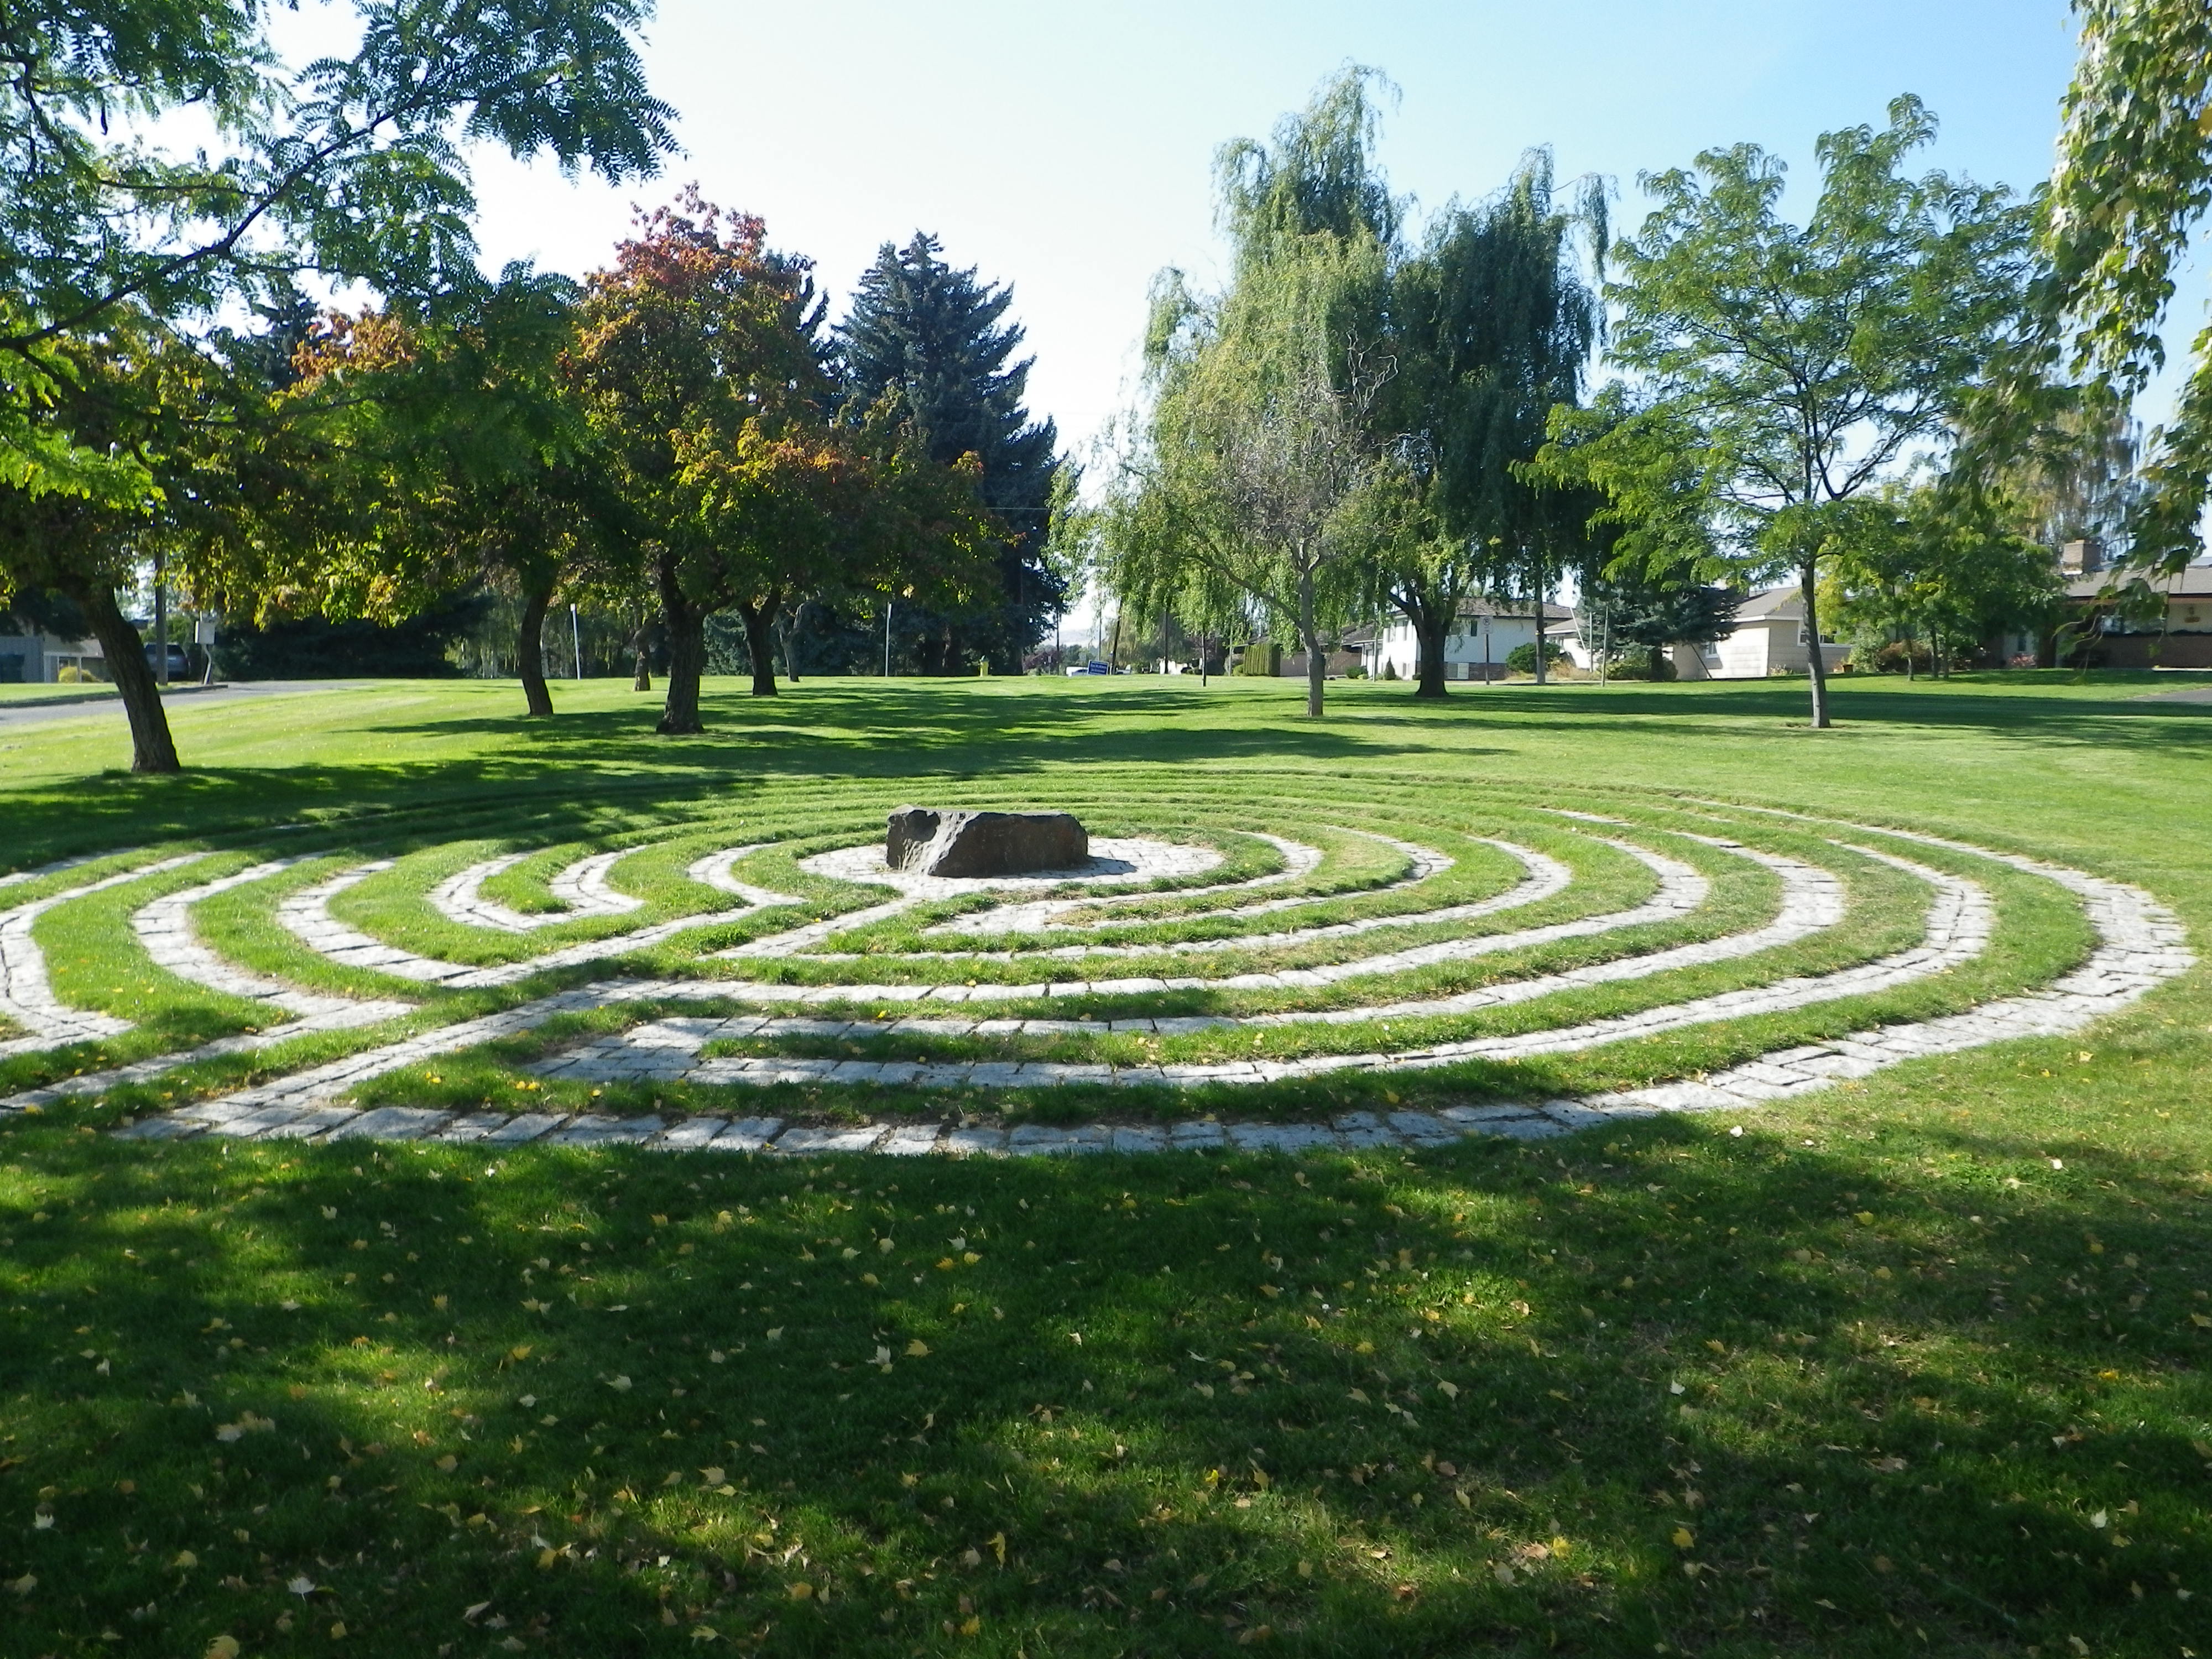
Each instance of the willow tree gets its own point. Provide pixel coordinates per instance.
(1257, 435)
(1492, 326)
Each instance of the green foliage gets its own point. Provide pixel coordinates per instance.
(932, 338)
(1628, 608)
(313, 647)
(702, 366)
(1521, 659)
(1262, 659)
(114, 249)
(2134, 180)
(1787, 372)
(1491, 328)
(1244, 471)
(1939, 566)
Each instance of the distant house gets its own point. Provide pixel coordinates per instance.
(1768, 637)
(43, 659)
(2180, 638)
(1484, 635)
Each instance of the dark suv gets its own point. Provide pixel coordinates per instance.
(180, 661)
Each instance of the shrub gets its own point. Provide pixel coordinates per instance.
(1521, 659)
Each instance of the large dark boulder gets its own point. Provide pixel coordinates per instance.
(930, 842)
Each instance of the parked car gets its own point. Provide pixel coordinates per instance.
(180, 661)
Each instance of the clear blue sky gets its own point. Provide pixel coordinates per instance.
(1067, 149)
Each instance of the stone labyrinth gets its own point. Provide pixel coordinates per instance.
(1358, 964)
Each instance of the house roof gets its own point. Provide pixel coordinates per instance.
(1779, 603)
(1512, 610)
(2193, 582)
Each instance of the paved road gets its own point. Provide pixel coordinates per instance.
(2194, 694)
(111, 708)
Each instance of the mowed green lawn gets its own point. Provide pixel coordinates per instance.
(1917, 1365)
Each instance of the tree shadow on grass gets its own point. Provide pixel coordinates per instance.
(590, 768)
(1730, 1395)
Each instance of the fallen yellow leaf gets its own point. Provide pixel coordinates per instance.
(1681, 1538)
(917, 1349)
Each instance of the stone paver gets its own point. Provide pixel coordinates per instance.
(582, 888)
(2139, 945)
(27, 996)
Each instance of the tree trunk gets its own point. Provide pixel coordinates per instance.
(760, 642)
(1658, 663)
(1430, 626)
(687, 656)
(152, 749)
(1541, 666)
(642, 643)
(1820, 668)
(791, 642)
(1316, 664)
(530, 652)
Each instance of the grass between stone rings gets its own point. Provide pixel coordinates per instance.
(1912, 1366)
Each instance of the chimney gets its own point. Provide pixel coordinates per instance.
(2081, 558)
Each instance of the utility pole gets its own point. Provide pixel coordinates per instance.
(575, 643)
(889, 606)
(161, 619)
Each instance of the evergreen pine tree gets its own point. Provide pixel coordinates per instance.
(933, 335)
(1631, 609)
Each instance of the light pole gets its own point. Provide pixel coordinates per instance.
(575, 644)
(889, 606)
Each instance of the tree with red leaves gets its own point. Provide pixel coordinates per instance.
(701, 358)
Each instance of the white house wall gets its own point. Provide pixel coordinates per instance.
(1398, 649)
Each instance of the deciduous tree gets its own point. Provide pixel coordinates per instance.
(2133, 182)
(349, 169)
(1786, 372)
